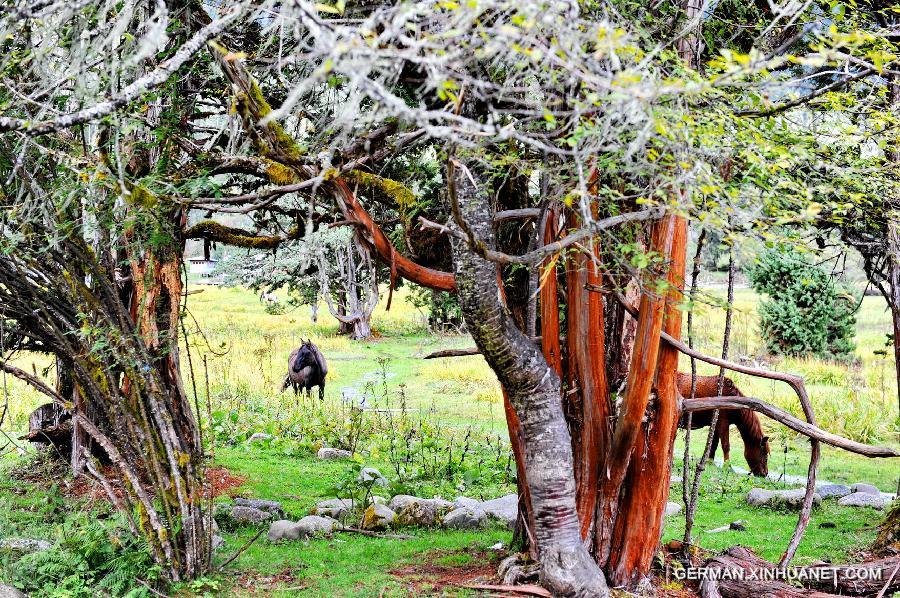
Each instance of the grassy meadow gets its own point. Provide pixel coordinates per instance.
(436, 427)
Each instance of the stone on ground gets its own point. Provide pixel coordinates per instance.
(832, 490)
(328, 453)
(794, 498)
(673, 508)
(11, 592)
(465, 518)
(259, 437)
(420, 513)
(866, 488)
(378, 517)
(308, 526)
(759, 497)
(336, 508)
(217, 542)
(466, 502)
(506, 509)
(269, 506)
(249, 515)
(863, 499)
(401, 501)
(25, 544)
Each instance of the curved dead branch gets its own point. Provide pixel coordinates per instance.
(783, 417)
(590, 229)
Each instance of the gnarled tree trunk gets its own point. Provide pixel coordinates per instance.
(534, 391)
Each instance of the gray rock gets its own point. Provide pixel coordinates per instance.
(888, 497)
(378, 517)
(421, 513)
(759, 497)
(793, 498)
(11, 592)
(832, 490)
(441, 504)
(269, 506)
(259, 437)
(866, 488)
(673, 508)
(308, 526)
(466, 502)
(377, 500)
(328, 453)
(313, 524)
(249, 515)
(25, 544)
(401, 501)
(863, 499)
(284, 530)
(465, 518)
(336, 508)
(505, 508)
(370, 475)
(217, 542)
(675, 479)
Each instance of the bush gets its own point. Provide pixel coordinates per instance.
(808, 312)
(90, 558)
(444, 313)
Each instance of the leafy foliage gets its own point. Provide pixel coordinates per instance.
(91, 557)
(807, 313)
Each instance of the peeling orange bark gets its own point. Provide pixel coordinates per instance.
(634, 404)
(384, 249)
(550, 301)
(587, 393)
(646, 489)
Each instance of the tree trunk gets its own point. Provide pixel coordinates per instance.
(894, 257)
(634, 406)
(646, 489)
(534, 392)
(587, 388)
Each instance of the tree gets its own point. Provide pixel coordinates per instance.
(329, 264)
(808, 312)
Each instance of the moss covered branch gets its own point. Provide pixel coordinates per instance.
(239, 237)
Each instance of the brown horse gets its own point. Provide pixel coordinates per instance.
(756, 443)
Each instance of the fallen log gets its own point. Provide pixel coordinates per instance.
(739, 573)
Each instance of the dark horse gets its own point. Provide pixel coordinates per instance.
(756, 443)
(306, 368)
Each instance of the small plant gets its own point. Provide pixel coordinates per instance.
(808, 312)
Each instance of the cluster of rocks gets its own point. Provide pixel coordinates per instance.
(401, 510)
(857, 495)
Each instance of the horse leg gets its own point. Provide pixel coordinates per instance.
(715, 444)
(322, 392)
(724, 435)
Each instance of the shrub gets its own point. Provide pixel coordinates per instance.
(91, 558)
(444, 313)
(808, 312)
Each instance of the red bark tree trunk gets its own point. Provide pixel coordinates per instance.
(646, 488)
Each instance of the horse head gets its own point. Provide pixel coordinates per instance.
(306, 356)
(757, 455)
